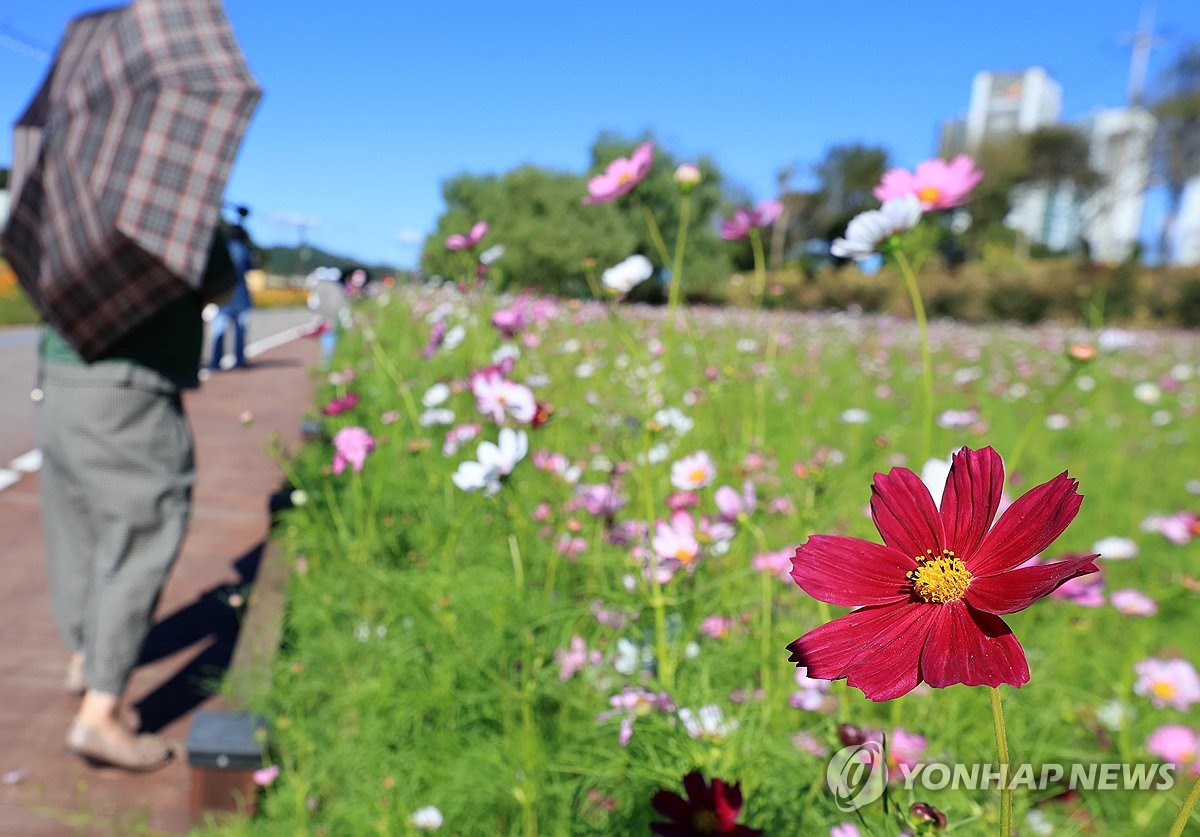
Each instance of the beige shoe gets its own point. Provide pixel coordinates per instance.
(147, 752)
(74, 682)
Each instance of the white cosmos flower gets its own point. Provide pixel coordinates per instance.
(435, 395)
(435, 417)
(428, 818)
(869, 229)
(454, 337)
(496, 460)
(627, 275)
(491, 254)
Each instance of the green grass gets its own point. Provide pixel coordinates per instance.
(15, 309)
(419, 659)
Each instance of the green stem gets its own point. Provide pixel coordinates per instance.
(666, 666)
(1185, 813)
(655, 235)
(1037, 418)
(685, 211)
(1006, 802)
(914, 294)
(760, 267)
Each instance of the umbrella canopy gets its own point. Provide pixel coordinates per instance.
(120, 163)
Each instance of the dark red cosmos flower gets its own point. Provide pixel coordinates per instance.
(929, 599)
(337, 406)
(707, 810)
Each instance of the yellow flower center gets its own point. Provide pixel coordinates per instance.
(929, 194)
(939, 578)
(705, 822)
(1163, 689)
(698, 475)
(625, 177)
(684, 555)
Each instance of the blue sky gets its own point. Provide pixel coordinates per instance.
(369, 107)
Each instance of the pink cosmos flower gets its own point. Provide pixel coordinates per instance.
(936, 183)
(575, 658)
(731, 505)
(1167, 682)
(496, 396)
(265, 776)
(1133, 602)
(464, 242)
(778, 563)
(929, 599)
(675, 540)
(437, 336)
(350, 447)
(457, 436)
(1176, 744)
(621, 175)
(693, 471)
(742, 221)
(631, 703)
(811, 692)
(716, 627)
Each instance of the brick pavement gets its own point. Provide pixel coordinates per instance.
(192, 640)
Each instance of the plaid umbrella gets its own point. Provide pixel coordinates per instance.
(120, 163)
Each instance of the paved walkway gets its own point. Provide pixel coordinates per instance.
(43, 790)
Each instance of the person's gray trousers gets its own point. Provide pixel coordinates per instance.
(116, 482)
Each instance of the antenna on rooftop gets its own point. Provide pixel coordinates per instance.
(1142, 41)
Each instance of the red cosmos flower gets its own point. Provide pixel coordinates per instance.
(929, 599)
(707, 810)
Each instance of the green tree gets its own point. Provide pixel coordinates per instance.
(1176, 154)
(536, 215)
(549, 234)
(846, 178)
(706, 257)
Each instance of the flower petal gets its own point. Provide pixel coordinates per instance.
(970, 499)
(851, 572)
(877, 649)
(1028, 526)
(1018, 589)
(904, 513)
(973, 648)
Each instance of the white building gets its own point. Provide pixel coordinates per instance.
(1185, 237)
(1119, 147)
(1011, 103)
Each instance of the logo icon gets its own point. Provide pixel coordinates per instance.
(857, 775)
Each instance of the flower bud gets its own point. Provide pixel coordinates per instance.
(687, 177)
(851, 735)
(1081, 352)
(922, 813)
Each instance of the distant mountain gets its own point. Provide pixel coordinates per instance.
(300, 261)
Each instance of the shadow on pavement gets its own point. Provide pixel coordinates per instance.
(210, 617)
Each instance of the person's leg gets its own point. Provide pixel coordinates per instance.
(240, 323)
(140, 474)
(66, 523)
(218, 327)
(328, 343)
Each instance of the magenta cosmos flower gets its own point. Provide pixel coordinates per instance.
(938, 184)
(742, 221)
(621, 175)
(465, 242)
(930, 597)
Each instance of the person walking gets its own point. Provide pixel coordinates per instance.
(234, 314)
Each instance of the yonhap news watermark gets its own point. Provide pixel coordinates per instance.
(857, 776)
